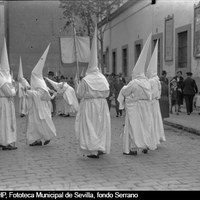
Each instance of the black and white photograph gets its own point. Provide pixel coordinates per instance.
(99, 98)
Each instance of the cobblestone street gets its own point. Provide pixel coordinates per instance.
(175, 165)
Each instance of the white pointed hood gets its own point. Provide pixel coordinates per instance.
(5, 75)
(153, 64)
(37, 80)
(53, 83)
(93, 63)
(94, 78)
(139, 68)
(21, 78)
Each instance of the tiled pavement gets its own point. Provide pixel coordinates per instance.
(175, 165)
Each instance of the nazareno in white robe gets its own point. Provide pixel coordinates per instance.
(158, 129)
(40, 124)
(22, 100)
(8, 132)
(92, 125)
(135, 97)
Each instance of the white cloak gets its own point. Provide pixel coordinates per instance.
(40, 124)
(158, 129)
(138, 120)
(92, 125)
(8, 132)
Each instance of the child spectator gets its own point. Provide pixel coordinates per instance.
(174, 96)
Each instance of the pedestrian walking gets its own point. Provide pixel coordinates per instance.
(92, 125)
(135, 97)
(8, 130)
(157, 128)
(174, 96)
(40, 128)
(189, 91)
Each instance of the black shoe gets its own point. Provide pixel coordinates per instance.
(145, 151)
(66, 115)
(36, 143)
(9, 147)
(188, 113)
(47, 142)
(132, 153)
(117, 115)
(93, 156)
(100, 153)
(22, 115)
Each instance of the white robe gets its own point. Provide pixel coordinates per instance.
(22, 100)
(40, 124)
(8, 130)
(92, 125)
(71, 102)
(138, 120)
(158, 129)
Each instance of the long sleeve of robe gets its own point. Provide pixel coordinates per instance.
(40, 124)
(8, 132)
(92, 125)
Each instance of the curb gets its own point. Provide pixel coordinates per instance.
(179, 126)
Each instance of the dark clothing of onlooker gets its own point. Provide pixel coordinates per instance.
(189, 91)
(179, 81)
(164, 100)
(165, 80)
(118, 85)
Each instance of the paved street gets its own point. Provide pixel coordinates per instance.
(175, 165)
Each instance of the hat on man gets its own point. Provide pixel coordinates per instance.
(189, 73)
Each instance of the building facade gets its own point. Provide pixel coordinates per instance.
(175, 23)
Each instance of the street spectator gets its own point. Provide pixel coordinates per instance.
(118, 85)
(179, 79)
(110, 97)
(164, 77)
(174, 94)
(189, 91)
(121, 77)
(164, 99)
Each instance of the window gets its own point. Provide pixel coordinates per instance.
(125, 60)
(138, 49)
(182, 49)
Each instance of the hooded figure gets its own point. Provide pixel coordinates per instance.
(92, 125)
(158, 129)
(71, 103)
(135, 97)
(8, 134)
(22, 86)
(40, 124)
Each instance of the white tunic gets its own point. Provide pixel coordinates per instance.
(40, 124)
(158, 129)
(138, 120)
(92, 125)
(8, 130)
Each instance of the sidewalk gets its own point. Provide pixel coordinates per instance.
(190, 123)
